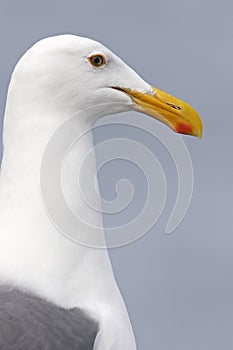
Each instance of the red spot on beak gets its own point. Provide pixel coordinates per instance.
(183, 128)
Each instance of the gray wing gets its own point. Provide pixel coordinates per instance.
(30, 323)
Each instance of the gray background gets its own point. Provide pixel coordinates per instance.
(178, 288)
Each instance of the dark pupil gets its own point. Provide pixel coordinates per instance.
(97, 60)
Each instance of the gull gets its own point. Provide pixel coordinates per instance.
(54, 292)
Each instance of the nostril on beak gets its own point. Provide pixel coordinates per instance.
(173, 106)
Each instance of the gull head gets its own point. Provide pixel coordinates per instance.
(69, 73)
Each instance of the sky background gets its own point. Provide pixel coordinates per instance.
(178, 288)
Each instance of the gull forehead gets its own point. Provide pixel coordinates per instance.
(66, 41)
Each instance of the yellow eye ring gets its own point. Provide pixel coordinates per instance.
(97, 60)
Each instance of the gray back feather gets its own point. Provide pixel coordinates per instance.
(30, 323)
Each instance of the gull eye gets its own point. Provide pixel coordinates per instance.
(97, 60)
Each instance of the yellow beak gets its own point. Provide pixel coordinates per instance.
(178, 115)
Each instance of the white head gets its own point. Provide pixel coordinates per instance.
(68, 73)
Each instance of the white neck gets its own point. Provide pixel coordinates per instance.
(34, 255)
